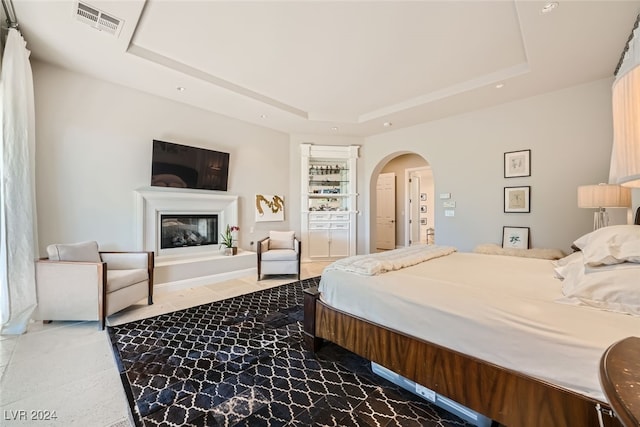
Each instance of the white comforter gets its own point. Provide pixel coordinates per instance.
(499, 309)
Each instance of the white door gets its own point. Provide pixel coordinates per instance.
(386, 211)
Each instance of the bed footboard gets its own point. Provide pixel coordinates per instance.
(506, 396)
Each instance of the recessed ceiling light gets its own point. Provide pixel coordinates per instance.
(263, 116)
(387, 124)
(334, 128)
(499, 85)
(549, 7)
(180, 89)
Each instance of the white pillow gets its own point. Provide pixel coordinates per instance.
(611, 245)
(83, 251)
(564, 265)
(281, 239)
(568, 259)
(612, 287)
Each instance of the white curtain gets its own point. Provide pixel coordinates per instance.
(18, 236)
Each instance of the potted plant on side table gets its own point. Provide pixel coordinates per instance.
(228, 241)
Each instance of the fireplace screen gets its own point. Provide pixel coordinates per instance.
(188, 230)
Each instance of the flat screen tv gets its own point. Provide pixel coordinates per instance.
(182, 166)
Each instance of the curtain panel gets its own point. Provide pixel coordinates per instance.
(18, 236)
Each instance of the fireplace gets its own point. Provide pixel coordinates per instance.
(181, 230)
(181, 223)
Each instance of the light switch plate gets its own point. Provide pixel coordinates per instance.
(449, 204)
(449, 212)
(445, 195)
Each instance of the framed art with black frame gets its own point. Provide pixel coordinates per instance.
(515, 237)
(517, 163)
(517, 199)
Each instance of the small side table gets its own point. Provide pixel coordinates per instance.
(620, 379)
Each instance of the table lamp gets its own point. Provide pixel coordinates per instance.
(603, 196)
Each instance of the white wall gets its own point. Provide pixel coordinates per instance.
(569, 133)
(94, 149)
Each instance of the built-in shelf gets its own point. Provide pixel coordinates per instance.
(328, 201)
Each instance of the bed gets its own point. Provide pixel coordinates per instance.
(516, 339)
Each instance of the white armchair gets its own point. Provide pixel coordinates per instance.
(77, 282)
(279, 254)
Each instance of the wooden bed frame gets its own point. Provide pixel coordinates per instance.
(507, 397)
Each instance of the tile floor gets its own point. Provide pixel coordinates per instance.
(67, 369)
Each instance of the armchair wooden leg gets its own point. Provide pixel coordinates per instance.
(150, 267)
(150, 297)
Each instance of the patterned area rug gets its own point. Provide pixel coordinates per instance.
(241, 362)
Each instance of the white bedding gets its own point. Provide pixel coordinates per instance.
(382, 262)
(500, 309)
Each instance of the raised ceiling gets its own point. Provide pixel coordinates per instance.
(342, 67)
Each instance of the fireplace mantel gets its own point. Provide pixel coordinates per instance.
(151, 202)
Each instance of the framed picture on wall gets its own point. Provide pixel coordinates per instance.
(517, 163)
(515, 237)
(517, 199)
(269, 207)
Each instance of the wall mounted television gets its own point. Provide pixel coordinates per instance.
(182, 166)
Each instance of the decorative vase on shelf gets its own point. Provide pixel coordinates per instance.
(230, 251)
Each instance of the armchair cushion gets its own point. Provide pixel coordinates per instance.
(118, 279)
(281, 239)
(83, 251)
(280, 255)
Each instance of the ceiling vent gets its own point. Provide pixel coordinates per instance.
(98, 19)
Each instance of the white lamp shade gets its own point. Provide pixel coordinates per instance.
(604, 196)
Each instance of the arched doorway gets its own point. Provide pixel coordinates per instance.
(411, 201)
